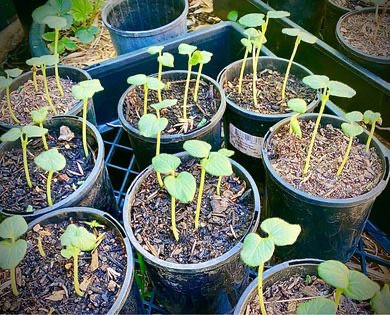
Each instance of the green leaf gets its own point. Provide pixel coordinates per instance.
(34, 131)
(351, 130)
(298, 105)
(317, 306)
(197, 148)
(281, 232)
(55, 22)
(154, 83)
(295, 127)
(13, 73)
(256, 250)
(86, 34)
(291, 31)
(11, 135)
(13, 227)
(49, 36)
(149, 125)
(5, 82)
(217, 165)
(62, 6)
(256, 41)
(372, 118)
(164, 104)
(40, 13)
(12, 253)
(69, 44)
(51, 160)
(81, 9)
(245, 42)
(92, 85)
(39, 116)
(81, 93)
(340, 89)
(232, 16)
(79, 237)
(277, 14)
(182, 187)
(69, 252)
(138, 79)
(165, 163)
(195, 58)
(334, 273)
(185, 49)
(166, 59)
(360, 287)
(155, 49)
(354, 116)
(252, 33)
(205, 56)
(226, 152)
(252, 20)
(34, 61)
(60, 48)
(380, 303)
(308, 38)
(316, 81)
(49, 60)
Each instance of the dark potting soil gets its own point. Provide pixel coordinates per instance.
(352, 4)
(199, 113)
(25, 99)
(269, 92)
(223, 220)
(287, 154)
(16, 196)
(283, 297)
(46, 284)
(359, 31)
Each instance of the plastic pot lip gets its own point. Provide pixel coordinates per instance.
(332, 3)
(28, 75)
(349, 47)
(194, 267)
(259, 116)
(320, 201)
(128, 280)
(87, 185)
(175, 137)
(162, 29)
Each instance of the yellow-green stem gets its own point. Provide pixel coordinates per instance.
(13, 281)
(243, 68)
(85, 108)
(53, 109)
(219, 186)
(200, 194)
(11, 112)
(24, 140)
(339, 292)
(263, 31)
(159, 179)
(186, 91)
(146, 92)
(260, 289)
(345, 156)
(254, 77)
(160, 67)
(40, 247)
(56, 36)
(298, 40)
(44, 139)
(34, 75)
(48, 188)
(76, 274)
(370, 137)
(197, 82)
(173, 218)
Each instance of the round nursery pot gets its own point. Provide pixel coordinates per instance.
(212, 286)
(332, 15)
(94, 191)
(244, 129)
(136, 24)
(380, 65)
(331, 228)
(69, 72)
(145, 148)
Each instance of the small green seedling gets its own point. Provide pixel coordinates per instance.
(48, 60)
(380, 303)
(39, 117)
(256, 250)
(214, 163)
(12, 249)
(24, 134)
(328, 88)
(228, 154)
(76, 239)
(377, 19)
(5, 82)
(300, 36)
(205, 57)
(298, 106)
(371, 118)
(50, 161)
(35, 63)
(84, 91)
(94, 224)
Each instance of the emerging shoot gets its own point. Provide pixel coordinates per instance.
(5, 83)
(35, 63)
(371, 118)
(48, 60)
(298, 106)
(39, 117)
(205, 57)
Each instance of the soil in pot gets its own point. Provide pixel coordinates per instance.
(287, 154)
(46, 284)
(269, 86)
(351, 4)
(223, 220)
(16, 196)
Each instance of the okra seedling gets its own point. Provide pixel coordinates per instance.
(256, 250)
(228, 154)
(35, 63)
(50, 161)
(76, 239)
(12, 249)
(298, 106)
(39, 117)
(380, 303)
(5, 84)
(48, 60)
(300, 36)
(205, 57)
(84, 91)
(372, 118)
(94, 224)
(24, 134)
(328, 88)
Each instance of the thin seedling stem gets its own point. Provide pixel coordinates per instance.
(13, 281)
(84, 131)
(243, 69)
(219, 186)
(76, 273)
(370, 137)
(254, 78)
(339, 292)
(24, 140)
(160, 67)
(40, 247)
(48, 188)
(260, 288)
(44, 139)
(146, 92)
(197, 82)
(53, 109)
(297, 41)
(11, 112)
(173, 218)
(34, 75)
(345, 157)
(186, 91)
(56, 32)
(200, 193)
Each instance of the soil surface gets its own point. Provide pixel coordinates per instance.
(299, 290)
(362, 33)
(269, 88)
(16, 196)
(287, 155)
(352, 4)
(46, 284)
(25, 99)
(224, 220)
(197, 112)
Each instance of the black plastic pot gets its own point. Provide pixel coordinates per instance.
(331, 228)
(280, 272)
(209, 287)
(378, 65)
(72, 73)
(244, 130)
(96, 191)
(128, 300)
(332, 16)
(145, 148)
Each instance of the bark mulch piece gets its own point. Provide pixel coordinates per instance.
(269, 89)
(223, 220)
(283, 297)
(25, 99)
(352, 4)
(197, 112)
(46, 284)
(359, 31)
(16, 196)
(287, 155)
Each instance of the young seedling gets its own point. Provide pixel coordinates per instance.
(50, 161)
(228, 154)
(214, 163)
(372, 118)
(205, 57)
(351, 130)
(300, 36)
(76, 239)
(298, 106)
(380, 303)
(328, 88)
(377, 18)
(48, 60)
(24, 134)
(12, 248)
(84, 91)
(94, 224)
(39, 117)
(35, 63)
(5, 84)
(256, 250)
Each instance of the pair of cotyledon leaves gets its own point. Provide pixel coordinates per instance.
(86, 89)
(76, 239)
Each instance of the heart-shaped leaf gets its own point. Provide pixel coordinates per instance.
(166, 59)
(245, 42)
(34, 61)
(182, 187)
(155, 49)
(81, 93)
(308, 38)
(138, 79)
(252, 33)
(372, 118)
(351, 130)
(49, 36)
(39, 116)
(334, 273)
(281, 232)
(317, 306)
(291, 31)
(360, 287)
(195, 58)
(205, 56)
(49, 60)
(340, 89)
(86, 34)
(354, 116)
(51, 160)
(316, 81)
(232, 16)
(13, 73)
(380, 303)
(165, 163)
(226, 152)
(298, 105)
(295, 128)
(277, 14)
(11, 135)
(34, 131)
(55, 22)
(197, 148)
(13, 227)
(256, 250)
(149, 125)
(164, 104)
(217, 165)
(185, 49)
(252, 20)
(12, 253)
(92, 85)
(154, 84)
(79, 237)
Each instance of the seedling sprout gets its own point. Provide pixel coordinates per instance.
(35, 63)
(48, 60)
(205, 57)
(5, 82)
(298, 106)
(228, 154)
(39, 117)
(380, 303)
(371, 118)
